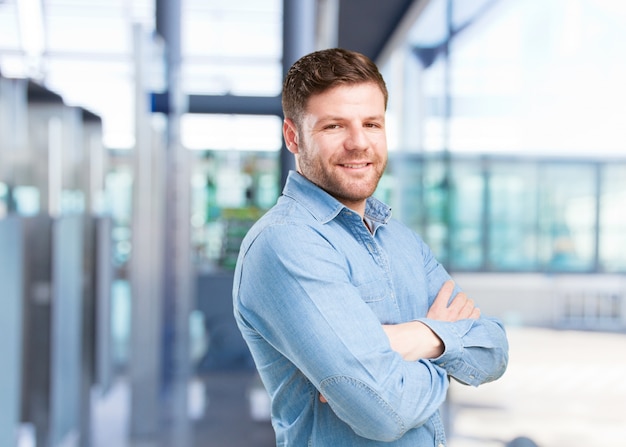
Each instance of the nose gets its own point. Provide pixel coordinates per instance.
(356, 139)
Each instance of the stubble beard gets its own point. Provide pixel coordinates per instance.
(341, 186)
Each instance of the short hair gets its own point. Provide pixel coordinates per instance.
(322, 70)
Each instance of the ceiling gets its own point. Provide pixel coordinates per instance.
(368, 25)
(83, 49)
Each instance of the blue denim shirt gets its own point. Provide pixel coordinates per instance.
(312, 287)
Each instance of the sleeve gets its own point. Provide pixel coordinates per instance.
(295, 291)
(476, 351)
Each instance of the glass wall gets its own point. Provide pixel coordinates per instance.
(504, 77)
(503, 214)
(230, 190)
(512, 211)
(506, 127)
(612, 234)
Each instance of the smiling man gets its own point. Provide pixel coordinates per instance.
(354, 326)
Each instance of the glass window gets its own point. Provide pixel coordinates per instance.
(435, 202)
(512, 216)
(230, 190)
(402, 188)
(567, 217)
(232, 47)
(466, 222)
(232, 132)
(613, 219)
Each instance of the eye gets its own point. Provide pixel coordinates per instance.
(373, 125)
(331, 126)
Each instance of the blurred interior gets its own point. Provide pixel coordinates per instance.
(140, 140)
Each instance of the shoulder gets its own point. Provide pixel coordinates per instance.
(287, 225)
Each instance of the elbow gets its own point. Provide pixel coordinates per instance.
(377, 420)
(382, 426)
(501, 362)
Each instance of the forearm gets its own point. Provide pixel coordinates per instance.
(385, 411)
(414, 340)
(471, 351)
(476, 351)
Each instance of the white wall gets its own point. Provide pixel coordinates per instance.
(580, 301)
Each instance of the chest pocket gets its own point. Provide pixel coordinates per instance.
(378, 295)
(373, 291)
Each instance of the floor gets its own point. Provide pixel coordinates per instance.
(228, 420)
(220, 409)
(562, 389)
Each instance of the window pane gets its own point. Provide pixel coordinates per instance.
(567, 214)
(466, 217)
(512, 216)
(436, 208)
(613, 219)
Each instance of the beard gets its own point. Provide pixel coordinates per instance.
(339, 183)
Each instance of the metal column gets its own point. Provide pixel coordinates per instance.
(299, 35)
(177, 269)
(12, 280)
(145, 263)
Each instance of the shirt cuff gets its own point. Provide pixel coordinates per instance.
(451, 334)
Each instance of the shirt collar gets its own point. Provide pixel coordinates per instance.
(325, 207)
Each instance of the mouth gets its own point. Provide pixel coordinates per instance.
(354, 165)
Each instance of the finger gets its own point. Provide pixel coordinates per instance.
(323, 399)
(475, 313)
(468, 308)
(443, 297)
(459, 302)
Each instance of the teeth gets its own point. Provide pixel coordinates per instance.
(362, 165)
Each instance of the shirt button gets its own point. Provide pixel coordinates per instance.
(441, 445)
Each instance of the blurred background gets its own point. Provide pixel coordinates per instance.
(139, 140)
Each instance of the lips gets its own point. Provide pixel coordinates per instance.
(354, 165)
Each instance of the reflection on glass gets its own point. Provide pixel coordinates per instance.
(230, 191)
(466, 216)
(613, 218)
(503, 214)
(567, 217)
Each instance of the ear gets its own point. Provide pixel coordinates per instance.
(290, 133)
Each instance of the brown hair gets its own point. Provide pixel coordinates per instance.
(321, 70)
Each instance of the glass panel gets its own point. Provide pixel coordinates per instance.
(567, 217)
(402, 188)
(512, 216)
(230, 190)
(4, 200)
(613, 219)
(231, 132)
(232, 47)
(435, 202)
(466, 218)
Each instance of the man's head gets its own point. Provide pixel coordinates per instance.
(322, 70)
(334, 103)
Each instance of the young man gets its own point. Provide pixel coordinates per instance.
(353, 325)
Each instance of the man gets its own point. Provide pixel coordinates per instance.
(353, 325)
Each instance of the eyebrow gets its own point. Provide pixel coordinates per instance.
(339, 118)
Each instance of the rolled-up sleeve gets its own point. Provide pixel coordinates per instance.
(476, 351)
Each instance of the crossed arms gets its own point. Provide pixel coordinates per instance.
(415, 340)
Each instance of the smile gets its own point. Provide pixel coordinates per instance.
(355, 166)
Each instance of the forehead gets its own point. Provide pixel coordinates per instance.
(348, 98)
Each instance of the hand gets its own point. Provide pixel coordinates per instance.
(413, 340)
(460, 308)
